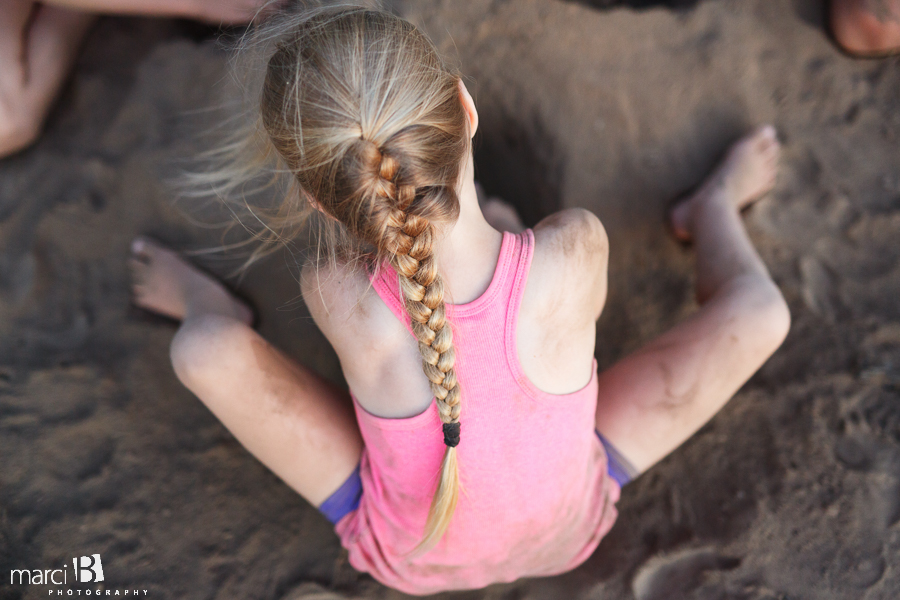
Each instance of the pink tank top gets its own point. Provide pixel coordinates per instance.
(536, 496)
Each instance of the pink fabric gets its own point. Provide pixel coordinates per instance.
(536, 496)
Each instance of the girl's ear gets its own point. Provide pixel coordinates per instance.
(469, 107)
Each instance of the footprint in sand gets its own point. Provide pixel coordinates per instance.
(869, 455)
(819, 289)
(673, 576)
(312, 591)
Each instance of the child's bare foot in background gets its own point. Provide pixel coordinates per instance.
(500, 215)
(867, 28)
(164, 283)
(745, 175)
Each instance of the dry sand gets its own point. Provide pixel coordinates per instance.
(793, 491)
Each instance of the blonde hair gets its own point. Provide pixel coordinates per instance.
(363, 114)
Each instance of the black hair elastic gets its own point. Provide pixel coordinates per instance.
(451, 434)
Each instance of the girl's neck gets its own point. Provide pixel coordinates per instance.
(468, 253)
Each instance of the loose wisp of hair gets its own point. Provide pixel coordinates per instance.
(358, 122)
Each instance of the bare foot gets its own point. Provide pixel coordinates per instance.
(744, 176)
(164, 283)
(866, 28)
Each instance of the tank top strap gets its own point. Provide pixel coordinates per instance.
(519, 276)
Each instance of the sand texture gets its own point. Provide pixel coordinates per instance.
(792, 492)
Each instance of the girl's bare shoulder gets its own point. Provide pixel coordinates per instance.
(343, 304)
(371, 343)
(570, 262)
(573, 232)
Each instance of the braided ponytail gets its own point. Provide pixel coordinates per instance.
(408, 240)
(369, 122)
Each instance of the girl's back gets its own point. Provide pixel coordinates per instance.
(536, 499)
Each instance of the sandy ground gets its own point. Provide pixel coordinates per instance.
(793, 491)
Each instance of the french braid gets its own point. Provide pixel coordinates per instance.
(408, 240)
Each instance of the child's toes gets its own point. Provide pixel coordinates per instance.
(141, 249)
(138, 293)
(679, 217)
(502, 216)
(138, 268)
(768, 133)
(765, 139)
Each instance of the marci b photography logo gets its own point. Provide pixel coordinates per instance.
(87, 569)
(91, 569)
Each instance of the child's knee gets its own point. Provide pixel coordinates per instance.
(770, 318)
(758, 313)
(778, 317)
(207, 344)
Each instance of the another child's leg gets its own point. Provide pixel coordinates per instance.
(653, 400)
(225, 12)
(38, 45)
(296, 423)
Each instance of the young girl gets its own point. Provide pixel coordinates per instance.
(485, 446)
